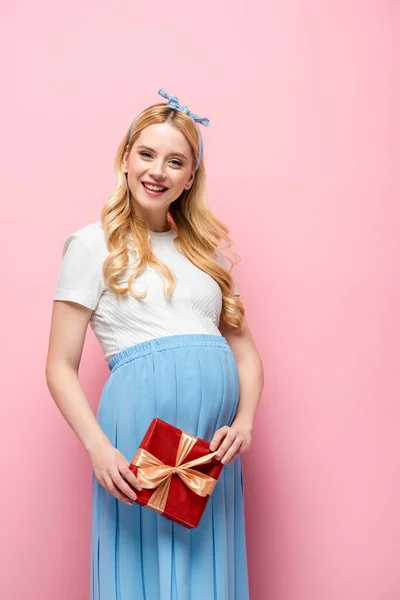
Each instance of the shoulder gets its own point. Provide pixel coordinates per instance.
(90, 237)
(81, 273)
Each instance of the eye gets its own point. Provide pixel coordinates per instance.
(145, 154)
(176, 162)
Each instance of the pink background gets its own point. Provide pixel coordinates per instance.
(303, 97)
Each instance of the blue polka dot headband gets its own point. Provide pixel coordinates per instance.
(173, 102)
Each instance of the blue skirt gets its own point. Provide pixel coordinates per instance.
(192, 382)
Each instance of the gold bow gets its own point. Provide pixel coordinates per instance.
(152, 473)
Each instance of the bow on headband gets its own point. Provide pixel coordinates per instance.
(173, 102)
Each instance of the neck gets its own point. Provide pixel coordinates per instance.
(157, 223)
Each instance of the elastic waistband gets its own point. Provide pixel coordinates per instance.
(166, 343)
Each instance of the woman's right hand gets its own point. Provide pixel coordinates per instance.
(111, 468)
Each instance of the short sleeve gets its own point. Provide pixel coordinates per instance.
(224, 263)
(80, 278)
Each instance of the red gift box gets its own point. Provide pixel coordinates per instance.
(177, 472)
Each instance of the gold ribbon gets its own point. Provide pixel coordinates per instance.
(152, 473)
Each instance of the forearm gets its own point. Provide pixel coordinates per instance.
(251, 378)
(66, 391)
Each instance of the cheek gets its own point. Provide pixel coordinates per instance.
(134, 173)
(181, 179)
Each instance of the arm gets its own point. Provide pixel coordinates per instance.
(69, 323)
(251, 374)
(237, 437)
(67, 335)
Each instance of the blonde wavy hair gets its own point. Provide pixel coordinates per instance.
(199, 234)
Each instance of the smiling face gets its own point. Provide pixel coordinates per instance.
(159, 167)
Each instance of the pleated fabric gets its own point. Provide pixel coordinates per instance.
(190, 381)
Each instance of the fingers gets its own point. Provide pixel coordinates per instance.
(118, 482)
(233, 451)
(218, 437)
(230, 438)
(129, 476)
(110, 486)
(229, 442)
(122, 486)
(229, 447)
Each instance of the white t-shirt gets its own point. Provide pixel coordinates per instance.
(118, 323)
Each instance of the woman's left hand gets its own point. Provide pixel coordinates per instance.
(231, 441)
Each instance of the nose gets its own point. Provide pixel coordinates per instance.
(157, 171)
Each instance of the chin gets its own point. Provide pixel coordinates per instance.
(151, 205)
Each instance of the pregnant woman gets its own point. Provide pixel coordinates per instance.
(150, 279)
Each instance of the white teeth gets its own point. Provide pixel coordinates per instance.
(153, 188)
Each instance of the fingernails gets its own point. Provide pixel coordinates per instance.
(139, 488)
(212, 447)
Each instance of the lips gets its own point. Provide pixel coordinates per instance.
(153, 187)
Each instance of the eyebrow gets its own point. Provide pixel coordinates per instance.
(172, 153)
